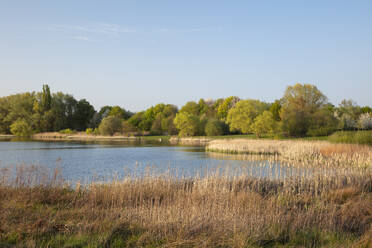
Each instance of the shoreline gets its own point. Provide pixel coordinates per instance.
(6, 136)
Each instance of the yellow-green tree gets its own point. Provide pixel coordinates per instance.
(187, 124)
(299, 103)
(21, 128)
(264, 124)
(241, 117)
(225, 106)
(215, 127)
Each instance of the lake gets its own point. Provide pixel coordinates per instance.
(86, 161)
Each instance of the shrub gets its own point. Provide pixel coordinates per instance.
(188, 124)
(21, 128)
(365, 121)
(89, 131)
(110, 125)
(357, 137)
(128, 127)
(67, 131)
(215, 128)
(264, 124)
(96, 131)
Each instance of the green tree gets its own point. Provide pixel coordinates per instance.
(170, 110)
(4, 111)
(83, 114)
(62, 114)
(167, 125)
(203, 107)
(264, 124)
(225, 106)
(323, 122)
(119, 112)
(241, 117)
(136, 120)
(191, 108)
(275, 110)
(21, 128)
(46, 99)
(366, 109)
(365, 121)
(104, 111)
(299, 104)
(215, 127)
(156, 127)
(20, 107)
(110, 125)
(127, 127)
(187, 124)
(348, 113)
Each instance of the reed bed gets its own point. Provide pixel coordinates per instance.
(314, 153)
(222, 208)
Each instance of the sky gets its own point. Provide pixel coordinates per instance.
(136, 54)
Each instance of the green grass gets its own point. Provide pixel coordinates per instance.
(355, 137)
(253, 136)
(68, 131)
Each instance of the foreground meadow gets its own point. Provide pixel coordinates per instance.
(330, 207)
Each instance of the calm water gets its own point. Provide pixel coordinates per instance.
(84, 161)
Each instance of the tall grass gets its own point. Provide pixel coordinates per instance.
(219, 209)
(299, 152)
(356, 137)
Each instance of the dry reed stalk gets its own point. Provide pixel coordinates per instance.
(315, 153)
(228, 208)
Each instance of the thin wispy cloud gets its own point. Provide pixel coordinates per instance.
(102, 28)
(181, 30)
(97, 30)
(104, 31)
(83, 38)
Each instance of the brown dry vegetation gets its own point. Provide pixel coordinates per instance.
(305, 153)
(38, 209)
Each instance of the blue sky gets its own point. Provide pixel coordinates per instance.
(138, 53)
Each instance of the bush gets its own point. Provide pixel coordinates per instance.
(110, 125)
(21, 128)
(356, 137)
(365, 121)
(128, 127)
(188, 124)
(67, 131)
(89, 131)
(264, 124)
(215, 128)
(319, 131)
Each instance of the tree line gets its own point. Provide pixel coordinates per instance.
(302, 111)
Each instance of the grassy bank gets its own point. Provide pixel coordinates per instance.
(37, 209)
(82, 136)
(6, 136)
(355, 137)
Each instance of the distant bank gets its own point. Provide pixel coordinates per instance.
(355, 137)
